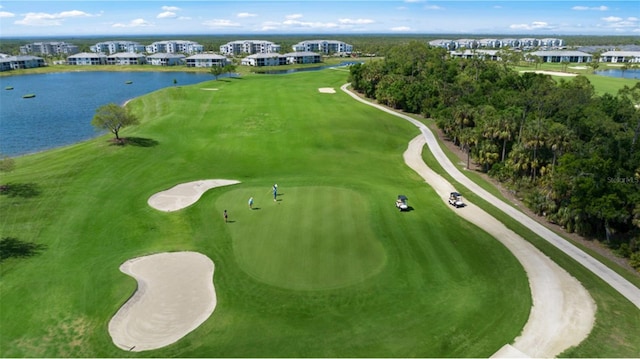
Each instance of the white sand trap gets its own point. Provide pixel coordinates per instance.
(209, 89)
(554, 73)
(327, 90)
(175, 295)
(184, 194)
(578, 67)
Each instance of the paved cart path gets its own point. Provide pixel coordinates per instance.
(536, 339)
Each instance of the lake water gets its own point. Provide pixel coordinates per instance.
(627, 74)
(60, 114)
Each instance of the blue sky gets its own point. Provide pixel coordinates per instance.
(266, 17)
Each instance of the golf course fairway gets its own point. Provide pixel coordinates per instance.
(329, 269)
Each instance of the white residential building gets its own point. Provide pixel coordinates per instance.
(303, 57)
(85, 58)
(206, 60)
(249, 47)
(562, 56)
(323, 46)
(166, 59)
(126, 58)
(111, 47)
(264, 60)
(49, 48)
(174, 47)
(620, 56)
(20, 62)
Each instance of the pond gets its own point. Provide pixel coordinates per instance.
(60, 113)
(627, 74)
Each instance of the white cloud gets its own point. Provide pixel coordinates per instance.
(170, 8)
(585, 8)
(6, 14)
(246, 14)
(619, 23)
(134, 23)
(401, 28)
(293, 16)
(216, 23)
(46, 19)
(182, 18)
(433, 7)
(166, 15)
(536, 25)
(612, 19)
(355, 21)
(308, 24)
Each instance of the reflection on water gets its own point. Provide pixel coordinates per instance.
(627, 74)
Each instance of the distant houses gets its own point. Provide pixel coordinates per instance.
(20, 62)
(239, 47)
(49, 48)
(562, 56)
(323, 46)
(620, 57)
(493, 43)
(304, 57)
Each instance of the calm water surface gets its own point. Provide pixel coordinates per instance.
(627, 74)
(65, 103)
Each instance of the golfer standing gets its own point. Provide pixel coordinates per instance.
(275, 192)
(251, 203)
(226, 216)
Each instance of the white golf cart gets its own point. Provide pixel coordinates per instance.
(401, 203)
(455, 199)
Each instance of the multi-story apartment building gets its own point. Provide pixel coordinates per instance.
(206, 60)
(111, 47)
(522, 43)
(175, 47)
(20, 62)
(323, 46)
(85, 58)
(49, 48)
(249, 47)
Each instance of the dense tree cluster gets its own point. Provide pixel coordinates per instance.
(574, 155)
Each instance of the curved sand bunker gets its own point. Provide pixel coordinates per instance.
(175, 295)
(184, 194)
(327, 90)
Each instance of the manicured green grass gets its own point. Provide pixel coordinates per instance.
(616, 319)
(366, 279)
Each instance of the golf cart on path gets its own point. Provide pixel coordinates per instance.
(455, 199)
(401, 203)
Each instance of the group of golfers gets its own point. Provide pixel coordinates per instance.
(274, 190)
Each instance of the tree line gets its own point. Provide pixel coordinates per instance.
(573, 155)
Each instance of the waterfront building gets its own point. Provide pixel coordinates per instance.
(49, 48)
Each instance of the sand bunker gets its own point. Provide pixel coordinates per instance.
(184, 194)
(209, 89)
(554, 73)
(327, 90)
(175, 295)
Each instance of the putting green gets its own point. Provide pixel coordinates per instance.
(312, 238)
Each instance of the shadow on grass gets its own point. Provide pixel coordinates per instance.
(135, 141)
(24, 190)
(14, 248)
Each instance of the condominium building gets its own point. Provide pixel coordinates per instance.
(562, 56)
(20, 62)
(323, 46)
(86, 58)
(304, 57)
(174, 47)
(126, 58)
(620, 56)
(249, 47)
(522, 43)
(166, 59)
(111, 47)
(206, 60)
(49, 48)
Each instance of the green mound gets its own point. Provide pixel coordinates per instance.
(312, 238)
